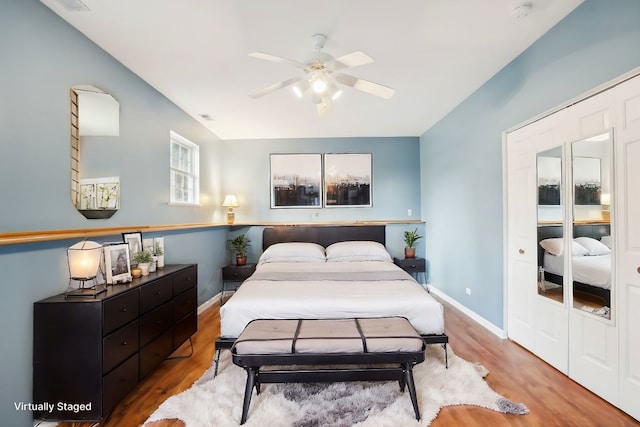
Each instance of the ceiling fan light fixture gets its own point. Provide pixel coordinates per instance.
(319, 85)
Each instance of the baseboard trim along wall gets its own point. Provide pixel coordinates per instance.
(470, 313)
(214, 299)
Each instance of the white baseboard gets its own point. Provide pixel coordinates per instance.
(470, 313)
(205, 305)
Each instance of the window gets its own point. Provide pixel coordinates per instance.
(185, 169)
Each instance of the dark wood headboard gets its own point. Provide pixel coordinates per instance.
(321, 234)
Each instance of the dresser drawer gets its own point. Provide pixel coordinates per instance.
(155, 352)
(185, 328)
(120, 310)
(155, 322)
(119, 345)
(118, 383)
(185, 279)
(155, 293)
(185, 303)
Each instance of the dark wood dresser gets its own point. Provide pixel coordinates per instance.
(88, 353)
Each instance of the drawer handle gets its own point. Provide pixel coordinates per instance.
(158, 293)
(124, 343)
(158, 322)
(413, 266)
(124, 310)
(521, 251)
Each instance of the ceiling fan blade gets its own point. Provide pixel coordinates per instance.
(350, 60)
(273, 58)
(365, 86)
(274, 87)
(324, 107)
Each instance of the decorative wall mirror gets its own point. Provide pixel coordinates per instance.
(592, 182)
(94, 113)
(550, 206)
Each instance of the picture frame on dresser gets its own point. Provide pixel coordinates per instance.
(134, 240)
(117, 262)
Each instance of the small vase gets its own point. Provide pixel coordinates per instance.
(144, 266)
(409, 253)
(154, 263)
(160, 261)
(136, 272)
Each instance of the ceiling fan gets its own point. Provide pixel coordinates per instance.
(320, 76)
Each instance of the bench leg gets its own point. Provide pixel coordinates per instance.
(446, 356)
(251, 381)
(408, 375)
(216, 362)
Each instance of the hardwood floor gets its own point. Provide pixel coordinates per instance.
(552, 398)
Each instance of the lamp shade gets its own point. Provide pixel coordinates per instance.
(84, 260)
(230, 201)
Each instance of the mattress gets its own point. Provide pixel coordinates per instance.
(591, 270)
(318, 292)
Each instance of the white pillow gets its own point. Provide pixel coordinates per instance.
(594, 246)
(357, 251)
(555, 246)
(293, 252)
(606, 240)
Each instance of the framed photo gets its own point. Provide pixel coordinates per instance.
(587, 180)
(117, 264)
(347, 180)
(296, 180)
(99, 193)
(134, 240)
(549, 180)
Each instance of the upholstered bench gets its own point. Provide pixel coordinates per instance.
(374, 342)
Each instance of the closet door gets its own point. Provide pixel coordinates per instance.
(521, 264)
(593, 349)
(628, 242)
(537, 320)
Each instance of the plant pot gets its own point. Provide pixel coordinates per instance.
(409, 253)
(160, 261)
(241, 260)
(144, 266)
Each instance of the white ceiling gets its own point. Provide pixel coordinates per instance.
(434, 53)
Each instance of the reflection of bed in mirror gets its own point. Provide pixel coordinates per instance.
(591, 273)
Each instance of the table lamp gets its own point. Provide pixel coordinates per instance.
(230, 202)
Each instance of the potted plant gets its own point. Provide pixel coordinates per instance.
(239, 247)
(410, 239)
(158, 252)
(144, 260)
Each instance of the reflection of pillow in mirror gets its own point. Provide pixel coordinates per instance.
(606, 240)
(594, 246)
(555, 247)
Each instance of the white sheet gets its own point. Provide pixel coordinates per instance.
(592, 270)
(331, 299)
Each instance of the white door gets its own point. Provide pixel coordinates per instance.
(593, 339)
(535, 321)
(628, 243)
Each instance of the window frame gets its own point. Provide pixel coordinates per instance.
(192, 171)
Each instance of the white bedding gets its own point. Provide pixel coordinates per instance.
(330, 299)
(592, 270)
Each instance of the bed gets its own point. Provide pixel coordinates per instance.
(331, 272)
(590, 260)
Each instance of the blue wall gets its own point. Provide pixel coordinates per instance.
(41, 58)
(461, 156)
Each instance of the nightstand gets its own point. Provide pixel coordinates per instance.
(235, 275)
(417, 267)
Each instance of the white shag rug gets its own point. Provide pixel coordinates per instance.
(218, 401)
